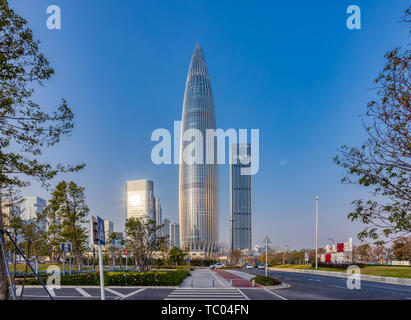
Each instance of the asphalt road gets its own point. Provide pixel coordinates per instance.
(302, 287)
(318, 287)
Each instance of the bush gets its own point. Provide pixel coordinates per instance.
(266, 281)
(150, 278)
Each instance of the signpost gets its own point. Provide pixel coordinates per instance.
(266, 241)
(316, 232)
(99, 239)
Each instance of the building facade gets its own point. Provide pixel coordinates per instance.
(174, 238)
(198, 185)
(33, 206)
(240, 198)
(140, 199)
(159, 215)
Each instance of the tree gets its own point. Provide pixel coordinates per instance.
(235, 255)
(68, 206)
(25, 130)
(362, 253)
(142, 240)
(177, 255)
(383, 163)
(402, 248)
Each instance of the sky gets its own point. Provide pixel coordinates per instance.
(291, 69)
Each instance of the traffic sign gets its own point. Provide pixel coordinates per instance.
(101, 233)
(125, 252)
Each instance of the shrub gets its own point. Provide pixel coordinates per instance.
(266, 281)
(150, 278)
(337, 265)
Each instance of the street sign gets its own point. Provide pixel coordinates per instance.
(266, 240)
(125, 252)
(188, 259)
(65, 246)
(306, 256)
(94, 227)
(68, 246)
(101, 233)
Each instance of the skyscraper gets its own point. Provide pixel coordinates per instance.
(33, 206)
(174, 238)
(198, 190)
(159, 215)
(240, 199)
(140, 199)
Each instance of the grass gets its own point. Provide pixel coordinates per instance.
(372, 270)
(266, 281)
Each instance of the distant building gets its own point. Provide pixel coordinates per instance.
(159, 215)
(108, 230)
(166, 229)
(33, 207)
(174, 238)
(8, 210)
(240, 198)
(140, 199)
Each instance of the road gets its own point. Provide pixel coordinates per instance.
(305, 286)
(204, 284)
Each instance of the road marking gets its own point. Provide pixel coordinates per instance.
(83, 292)
(314, 279)
(132, 293)
(243, 294)
(52, 293)
(277, 295)
(206, 294)
(116, 293)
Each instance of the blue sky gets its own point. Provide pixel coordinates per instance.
(291, 69)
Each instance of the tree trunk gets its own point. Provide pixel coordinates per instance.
(4, 286)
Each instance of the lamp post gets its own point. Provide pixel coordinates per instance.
(316, 232)
(266, 241)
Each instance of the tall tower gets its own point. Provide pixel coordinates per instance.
(198, 190)
(240, 199)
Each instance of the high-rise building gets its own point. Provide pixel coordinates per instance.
(33, 206)
(166, 229)
(198, 187)
(108, 230)
(159, 215)
(240, 198)
(9, 211)
(140, 199)
(174, 238)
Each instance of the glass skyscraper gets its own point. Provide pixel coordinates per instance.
(240, 198)
(140, 199)
(198, 190)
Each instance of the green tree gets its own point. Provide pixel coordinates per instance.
(25, 130)
(68, 206)
(383, 163)
(142, 240)
(402, 248)
(176, 255)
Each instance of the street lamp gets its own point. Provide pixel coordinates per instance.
(316, 232)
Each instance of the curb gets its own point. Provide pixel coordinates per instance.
(390, 280)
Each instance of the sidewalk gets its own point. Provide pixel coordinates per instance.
(204, 278)
(237, 278)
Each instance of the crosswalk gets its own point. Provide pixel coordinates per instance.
(206, 294)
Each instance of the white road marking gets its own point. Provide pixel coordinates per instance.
(116, 293)
(206, 294)
(83, 292)
(132, 293)
(330, 285)
(247, 298)
(215, 276)
(277, 295)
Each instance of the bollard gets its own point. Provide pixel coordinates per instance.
(253, 283)
(231, 282)
(191, 283)
(212, 283)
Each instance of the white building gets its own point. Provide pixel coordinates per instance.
(140, 199)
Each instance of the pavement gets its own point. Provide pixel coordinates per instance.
(206, 284)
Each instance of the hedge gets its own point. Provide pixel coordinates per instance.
(150, 278)
(266, 281)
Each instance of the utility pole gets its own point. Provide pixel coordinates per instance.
(316, 232)
(266, 241)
